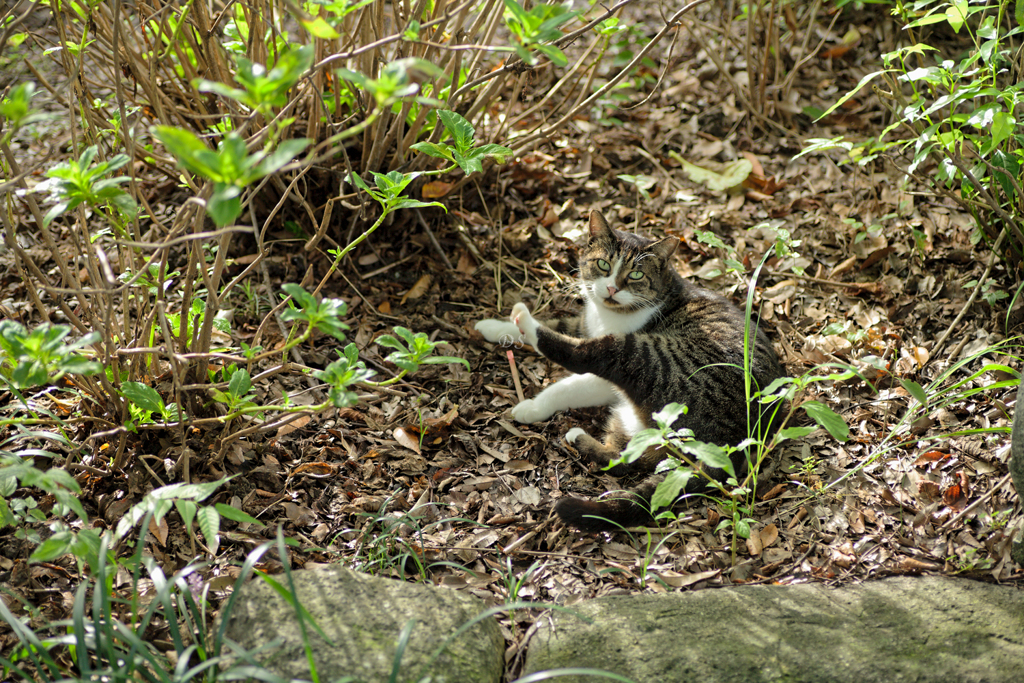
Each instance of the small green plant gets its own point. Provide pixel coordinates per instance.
(81, 181)
(533, 30)
(990, 291)
(957, 114)
(970, 561)
(32, 359)
(231, 168)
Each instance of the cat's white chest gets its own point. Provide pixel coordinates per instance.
(601, 321)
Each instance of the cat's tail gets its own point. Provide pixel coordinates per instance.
(619, 510)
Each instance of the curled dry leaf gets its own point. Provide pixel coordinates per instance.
(315, 469)
(418, 289)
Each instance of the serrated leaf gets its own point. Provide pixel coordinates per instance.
(209, 524)
(459, 128)
(143, 396)
(827, 418)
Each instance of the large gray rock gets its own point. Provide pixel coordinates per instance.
(363, 615)
(923, 629)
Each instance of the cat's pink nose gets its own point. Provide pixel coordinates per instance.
(611, 291)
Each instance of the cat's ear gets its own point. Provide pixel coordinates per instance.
(599, 229)
(664, 248)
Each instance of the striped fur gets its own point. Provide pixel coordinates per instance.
(687, 348)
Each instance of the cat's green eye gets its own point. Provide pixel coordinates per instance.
(635, 275)
(603, 265)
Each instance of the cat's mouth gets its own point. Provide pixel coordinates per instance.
(613, 303)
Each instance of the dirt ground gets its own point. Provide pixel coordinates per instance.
(431, 479)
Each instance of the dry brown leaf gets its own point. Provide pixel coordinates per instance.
(297, 423)
(929, 457)
(754, 546)
(775, 491)
(857, 522)
(769, 535)
(159, 530)
(466, 263)
(410, 441)
(436, 189)
(385, 307)
(315, 469)
(677, 580)
(418, 289)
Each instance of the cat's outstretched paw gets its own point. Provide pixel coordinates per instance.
(573, 434)
(526, 323)
(499, 332)
(530, 411)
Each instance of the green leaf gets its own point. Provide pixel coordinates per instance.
(282, 154)
(192, 154)
(187, 509)
(556, 56)
(709, 454)
(55, 546)
(434, 150)
(916, 391)
(407, 203)
(459, 128)
(848, 96)
(225, 204)
(956, 15)
(435, 360)
(743, 528)
(667, 416)
(236, 515)
(209, 524)
(240, 383)
(196, 492)
(793, 433)
(320, 28)
(497, 152)
(670, 488)
(828, 419)
(143, 396)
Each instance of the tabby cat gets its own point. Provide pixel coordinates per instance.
(646, 338)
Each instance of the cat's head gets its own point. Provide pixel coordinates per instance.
(623, 272)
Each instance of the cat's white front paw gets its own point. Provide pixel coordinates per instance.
(526, 323)
(573, 434)
(530, 411)
(499, 331)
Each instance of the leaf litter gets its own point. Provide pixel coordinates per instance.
(433, 468)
